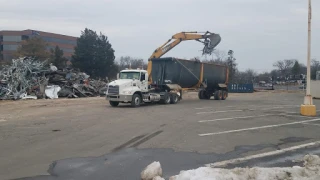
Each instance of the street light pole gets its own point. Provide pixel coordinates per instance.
(307, 108)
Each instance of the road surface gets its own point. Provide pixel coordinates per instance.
(88, 139)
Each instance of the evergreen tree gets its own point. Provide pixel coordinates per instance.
(94, 54)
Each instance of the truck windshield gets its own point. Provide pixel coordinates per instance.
(129, 75)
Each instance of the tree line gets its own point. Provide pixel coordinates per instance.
(284, 70)
(94, 55)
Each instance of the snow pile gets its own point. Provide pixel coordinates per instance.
(310, 171)
(158, 178)
(152, 172)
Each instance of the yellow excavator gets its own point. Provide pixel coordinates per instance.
(210, 41)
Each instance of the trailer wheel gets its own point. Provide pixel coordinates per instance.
(136, 100)
(114, 103)
(218, 95)
(174, 99)
(224, 94)
(206, 95)
(201, 94)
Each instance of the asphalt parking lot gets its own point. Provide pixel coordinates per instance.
(88, 139)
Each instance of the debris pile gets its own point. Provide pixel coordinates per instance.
(27, 78)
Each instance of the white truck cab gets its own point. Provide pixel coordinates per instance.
(132, 87)
(129, 82)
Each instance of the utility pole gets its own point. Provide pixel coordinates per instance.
(307, 108)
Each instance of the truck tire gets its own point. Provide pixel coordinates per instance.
(114, 103)
(224, 94)
(166, 99)
(136, 100)
(218, 95)
(174, 98)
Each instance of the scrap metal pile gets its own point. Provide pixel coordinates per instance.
(26, 78)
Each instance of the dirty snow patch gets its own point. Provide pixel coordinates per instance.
(152, 172)
(310, 171)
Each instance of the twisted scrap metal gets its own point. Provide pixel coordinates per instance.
(27, 76)
(19, 77)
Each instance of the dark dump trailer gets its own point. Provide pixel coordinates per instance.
(208, 78)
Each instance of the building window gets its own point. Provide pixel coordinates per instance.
(12, 38)
(24, 37)
(1, 38)
(10, 47)
(64, 49)
(61, 41)
(1, 47)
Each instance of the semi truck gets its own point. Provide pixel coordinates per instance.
(170, 77)
(166, 78)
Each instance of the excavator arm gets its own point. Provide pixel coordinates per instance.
(210, 41)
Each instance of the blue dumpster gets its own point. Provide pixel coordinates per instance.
(240, 88)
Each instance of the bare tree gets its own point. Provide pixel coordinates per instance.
(247, 76)
(219, 55)
(265, 76)
(315, 66)
(232, 65)
(129, 62)
(285, 66)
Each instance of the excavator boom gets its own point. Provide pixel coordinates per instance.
(210, 41)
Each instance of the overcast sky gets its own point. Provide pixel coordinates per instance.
(259, 31)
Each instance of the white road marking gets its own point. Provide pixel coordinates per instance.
(245, 117)
(311, 124)
(290, 112)
(266, 106)
(213, 112)
(259, 127)
(232, 118)
(211, 107)
(296, 115)
(239, 110)
(2, 120)
(279, 107)
(271, 153)
(203, 108)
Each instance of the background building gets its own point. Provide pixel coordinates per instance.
(10, 40)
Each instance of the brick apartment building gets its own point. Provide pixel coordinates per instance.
(10, 40)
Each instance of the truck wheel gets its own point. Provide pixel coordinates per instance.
(136, 100)
(218, 95)
(174, 99)
(114, 103)
(224, 95)
(166, 99)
